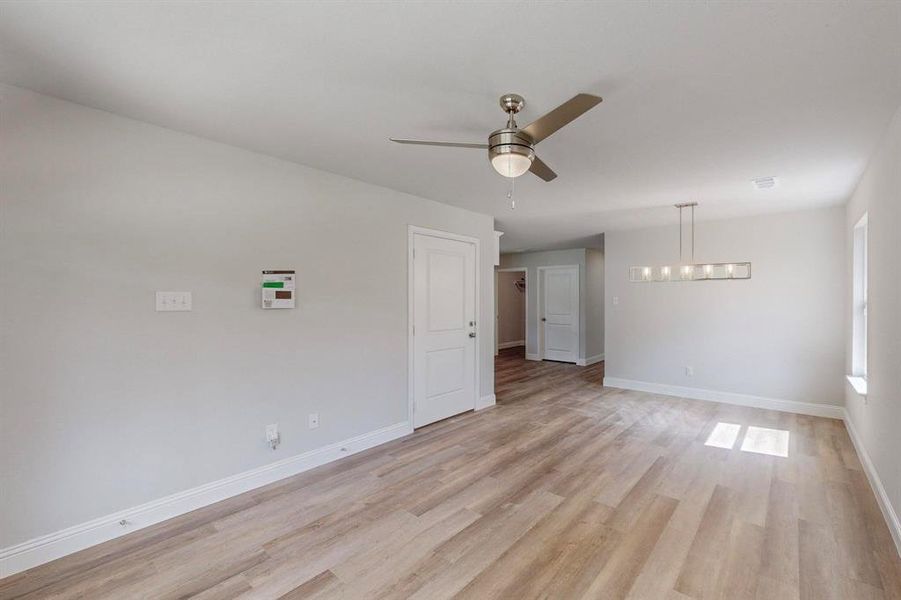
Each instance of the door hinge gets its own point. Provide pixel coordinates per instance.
(414, 330)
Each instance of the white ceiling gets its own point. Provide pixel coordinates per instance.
(698, 97)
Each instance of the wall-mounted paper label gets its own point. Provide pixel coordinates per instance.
(278, 289)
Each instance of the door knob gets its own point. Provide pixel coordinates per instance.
(472, 334)
(543, 319)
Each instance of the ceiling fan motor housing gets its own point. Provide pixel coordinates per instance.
(506, 142)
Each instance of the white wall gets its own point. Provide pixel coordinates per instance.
(107, 404)
(511, 308)
(778, 335)
(876, 419)
(550, 258)
(594, 308)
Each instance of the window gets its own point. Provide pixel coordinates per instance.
(858, 377)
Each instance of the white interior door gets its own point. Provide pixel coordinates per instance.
(560, 313)
(444, 355)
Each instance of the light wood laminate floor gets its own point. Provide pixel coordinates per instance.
(564, 490)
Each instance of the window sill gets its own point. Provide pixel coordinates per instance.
(858, 383)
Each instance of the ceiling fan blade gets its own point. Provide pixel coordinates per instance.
(542, 170)
(545, 125)
(448, 144)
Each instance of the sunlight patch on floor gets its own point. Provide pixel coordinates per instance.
(763, 440)
(760, 440)
(723, 435)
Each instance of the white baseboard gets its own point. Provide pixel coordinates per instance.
(533, 356)
(792, 406)
(888, 511)
(58, 544)
(584, 362)
(516, 344)
(486, 402)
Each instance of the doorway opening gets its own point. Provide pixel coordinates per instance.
(511, 310)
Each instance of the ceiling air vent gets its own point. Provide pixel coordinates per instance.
(764, 183)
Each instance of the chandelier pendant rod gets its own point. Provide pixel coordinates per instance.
(693, 234)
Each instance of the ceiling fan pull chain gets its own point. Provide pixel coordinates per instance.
(510, 193)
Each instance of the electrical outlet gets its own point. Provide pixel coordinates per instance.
(615, 300)
(690, 371)
(313, 420)
(273, 436)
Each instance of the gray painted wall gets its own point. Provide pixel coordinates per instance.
(550, 258)
(107, 404)
(876, 420)
(778, 335)
(591, 293)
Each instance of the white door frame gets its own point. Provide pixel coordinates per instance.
(538, 313)
(525, 272)
(413, 230)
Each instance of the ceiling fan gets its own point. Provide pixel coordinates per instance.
(511, 150)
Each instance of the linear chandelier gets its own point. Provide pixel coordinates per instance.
(690, 270)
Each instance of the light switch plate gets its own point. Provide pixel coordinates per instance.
(173, 301)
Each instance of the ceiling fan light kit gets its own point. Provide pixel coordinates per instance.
(510, 163)
(509, 158)
(690, 271)
(511, 150)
